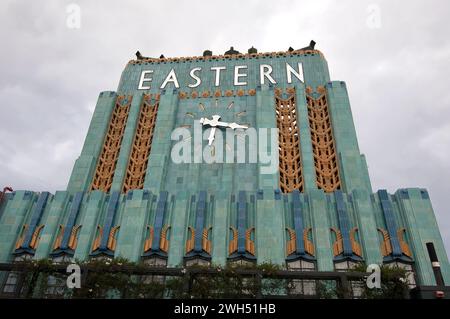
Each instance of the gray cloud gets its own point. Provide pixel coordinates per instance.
(50, 75)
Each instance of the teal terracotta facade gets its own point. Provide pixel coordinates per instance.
(220, 197)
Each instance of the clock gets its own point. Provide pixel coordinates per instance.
(217, 116)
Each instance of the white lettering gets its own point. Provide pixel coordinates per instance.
(238, 75)
(195, 77)
(217, 69)
(264, 72)
(171, 77)
(144, 79)
(290, 70)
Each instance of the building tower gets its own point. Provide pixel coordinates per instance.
(150, 183)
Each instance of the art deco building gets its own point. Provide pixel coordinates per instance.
(127, 196)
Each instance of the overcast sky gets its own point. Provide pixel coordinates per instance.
(394, 56)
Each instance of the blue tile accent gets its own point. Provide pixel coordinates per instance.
(297, 209)
(242, 212)
(36, 216)
(110, 215)
(344, 223)
(391, 224)
(242, 228)
(73, 215)
(298, 222)
(159, 219)
(200, 220)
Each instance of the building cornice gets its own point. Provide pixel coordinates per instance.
(301, 52)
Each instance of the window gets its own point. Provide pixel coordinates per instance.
(197, 261)
(56, 286)
(154, 262)
(301, 265)
(62, 259)
(102, 258)
(356, 286)
(242, 262)
(345, 265)
(306, 287)
(12, 281)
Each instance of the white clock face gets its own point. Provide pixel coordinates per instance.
(215, 123)
(217, 116)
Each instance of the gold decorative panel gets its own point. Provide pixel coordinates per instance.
(233, 245)
(72, 244)
(21, 238)
(163, 241)
(249, 243)
(34, 238)
(309, 246)
(112, 241)
(106, 164)
(386, 245)
(291, 243)
(324, 151)
(142, 144)
(149, 241)
(289, 143)
(190, 242)
(356, 247)
(403, 244)
(338, 245)
(206, 243)
(96, 244)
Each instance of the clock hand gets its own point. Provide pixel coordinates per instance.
(211, 135)
(231, 125)
(222, 124)
(212, 123)
(205, 121)
(235, 126)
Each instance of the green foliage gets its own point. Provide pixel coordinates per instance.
(394, 283)
(227, 282)
(118, 278)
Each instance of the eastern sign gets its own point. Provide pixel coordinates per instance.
(240, 74)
